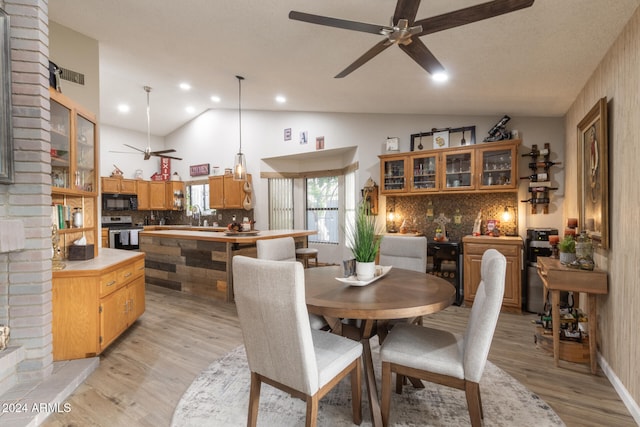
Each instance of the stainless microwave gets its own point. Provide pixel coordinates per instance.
(119, 202)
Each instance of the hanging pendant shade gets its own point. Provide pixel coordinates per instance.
(240, 163)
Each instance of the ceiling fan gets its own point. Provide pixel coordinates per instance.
(405, 30)
(147, 152)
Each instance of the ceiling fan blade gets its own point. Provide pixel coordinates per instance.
(163, 151)
(338, 23)
(135, 148)
(165, 156)
(422, 55)
(470, 14)
(364, 58)
(406, 9)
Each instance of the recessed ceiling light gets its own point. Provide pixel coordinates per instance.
(215, 98)
(281, 99)
(123, 108)
(190, 110)
(185, 86)
(440, 77)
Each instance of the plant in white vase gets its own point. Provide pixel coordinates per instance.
(567, 248)
(364, 241)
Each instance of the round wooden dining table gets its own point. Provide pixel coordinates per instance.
(399, 294)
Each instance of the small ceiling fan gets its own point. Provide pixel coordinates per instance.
(405, 31)
(147, 152)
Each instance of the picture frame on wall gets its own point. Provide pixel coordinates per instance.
(593, 174)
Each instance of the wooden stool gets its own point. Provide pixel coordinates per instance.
(305, 254)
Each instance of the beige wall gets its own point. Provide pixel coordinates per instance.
(618, 78)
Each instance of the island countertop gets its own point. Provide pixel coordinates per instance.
(216, 236)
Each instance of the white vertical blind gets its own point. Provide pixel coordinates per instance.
(280, 203)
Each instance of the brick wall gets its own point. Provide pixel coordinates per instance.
(25, 286)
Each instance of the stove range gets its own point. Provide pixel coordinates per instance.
(122, 233)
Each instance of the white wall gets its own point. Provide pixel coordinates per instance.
(213, 138)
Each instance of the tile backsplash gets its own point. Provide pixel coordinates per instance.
(415, 209)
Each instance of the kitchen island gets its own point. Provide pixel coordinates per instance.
(199, 262)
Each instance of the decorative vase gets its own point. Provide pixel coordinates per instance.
(567, 257)
(365, 270)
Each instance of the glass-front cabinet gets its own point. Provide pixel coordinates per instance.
(74, 185)
(497, 167)
(425, 173)
(393, 170)
(489, 166)
(458, 170)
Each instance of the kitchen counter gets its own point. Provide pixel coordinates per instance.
(198, 261)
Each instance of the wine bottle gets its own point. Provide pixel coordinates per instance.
(536, 177)
(541, 189)
(536, 200)
(545, 164)
(536, 152)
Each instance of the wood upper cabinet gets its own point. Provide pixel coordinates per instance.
(74, 160)
(92, 307)
(144, 195)
(488, 166)
(118, 185)
(511, 248)
(157, 195)
(394, 170)
(225, 193)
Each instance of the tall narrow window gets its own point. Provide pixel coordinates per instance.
(280, 203)
(349, 199)
(322, 209)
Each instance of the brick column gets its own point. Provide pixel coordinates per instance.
(28, 271)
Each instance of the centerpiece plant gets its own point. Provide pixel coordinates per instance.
(364, 241)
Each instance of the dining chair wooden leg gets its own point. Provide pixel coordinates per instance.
(254, 400)
(472, 391)
(400, 382)
(386, 392)
(312, 410)
(356, 392)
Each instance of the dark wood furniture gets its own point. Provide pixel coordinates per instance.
(400, 294)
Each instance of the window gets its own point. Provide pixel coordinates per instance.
(322, 209)
(197, 195)
(280, 204)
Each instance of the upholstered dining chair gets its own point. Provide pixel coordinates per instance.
(443, 357)
(284, 249)
(282, 349)
(409, 253)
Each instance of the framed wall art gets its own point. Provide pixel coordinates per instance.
(429, 140)
(593, 174)
(6, 136)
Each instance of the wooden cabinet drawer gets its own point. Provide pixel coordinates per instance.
(108, 283)
(138, 268)
(126, 273)
(480, 248)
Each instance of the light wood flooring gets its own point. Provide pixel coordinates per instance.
(143, 374)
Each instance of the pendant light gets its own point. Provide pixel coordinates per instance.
(240, 164)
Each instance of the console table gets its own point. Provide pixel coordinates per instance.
(557, 277)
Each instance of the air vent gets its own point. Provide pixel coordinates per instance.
(72, 76)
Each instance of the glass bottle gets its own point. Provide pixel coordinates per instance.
(584, 251)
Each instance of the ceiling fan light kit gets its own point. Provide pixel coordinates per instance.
(240, 162)
(405, 31)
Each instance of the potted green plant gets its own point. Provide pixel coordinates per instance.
(567, 248)
(364, 242)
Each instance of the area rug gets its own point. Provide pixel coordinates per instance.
(219, 396)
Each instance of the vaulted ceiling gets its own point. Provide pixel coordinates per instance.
(530, 62)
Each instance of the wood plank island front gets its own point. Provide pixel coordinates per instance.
(199, 262)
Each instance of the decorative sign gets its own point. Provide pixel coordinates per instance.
(199, 170)
(165, 168)
(287, 134)
(320, 143)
